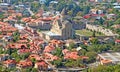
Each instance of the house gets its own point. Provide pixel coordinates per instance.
(6, 1)
(65, 51)
(7, 38)
(24, 64)
(35, 56)
(22, 51)
(57, 43)
(109, 58)
(42, 65)
(99, 0)
(71, 55)
(49, 48)
(91, 0)
(50, 57)
(116, 4)
(9, 63)
(23, 39)
(1, 36)
(116, 7)
(118, 1)
(111, 16)
(117, 41)
(16, 46)
(3, 57)
(105, 62)
(40, 24)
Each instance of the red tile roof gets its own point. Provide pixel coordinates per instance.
(49, 48)
(35, 56)
(9, 62)
(24, 63)
(118, 41)
(21, 51)
(41, 64)
(16, 45)
(106, 61)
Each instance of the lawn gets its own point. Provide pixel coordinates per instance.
(87, 33)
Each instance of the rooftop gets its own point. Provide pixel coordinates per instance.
(115, 56)
(50, 33)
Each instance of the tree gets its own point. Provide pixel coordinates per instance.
(93, 35)
(24, 56)
(1, 15)
(79, 14)
(103, 68)
(71, 45)
(1, 50)
(70, 63)
(86, 9)
(94, 41)
(82, 52)
(58, 52)
(117, 21)
(34, 70)
(92, 56)
(9, 51)
(101, 20)
(70, 13)
(34, 60)
(58, 63)
(35, 6)
(16, 36)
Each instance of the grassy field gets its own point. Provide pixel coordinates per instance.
(87, 33)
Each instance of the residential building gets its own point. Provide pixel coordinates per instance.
(50, 57)
(10, 63)
(117, 41)
(109, 58)
(42, 65)
(24, 64)
(36, 57)
(16, 46)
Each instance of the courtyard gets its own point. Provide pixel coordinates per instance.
(85, 32)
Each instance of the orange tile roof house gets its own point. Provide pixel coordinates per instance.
(72, 55)
(6, 29)
(16, 46)
(49, 48)
(22, 51)
(42, 65)
(57, 43)
(9, 63)
(35, 56)
(50, 57)
(105, 62)
(117, 41)
(109, 58)
(24, 64)
(23, 39)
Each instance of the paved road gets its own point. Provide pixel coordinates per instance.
(71, 69)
